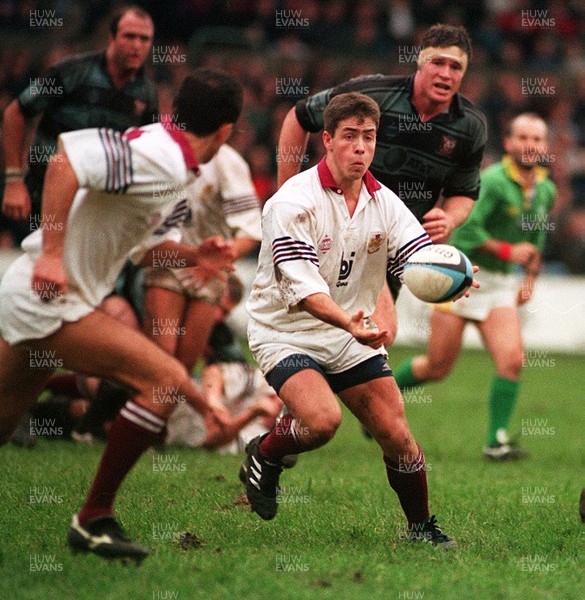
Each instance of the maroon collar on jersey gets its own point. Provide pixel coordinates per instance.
(180, 138)
(327, 181)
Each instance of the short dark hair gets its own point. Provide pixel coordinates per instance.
(123, 9)
(206, 100)
(442, 36)
(350, 104)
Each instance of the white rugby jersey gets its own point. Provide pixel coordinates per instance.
(130, 185)
(310, 244)
(223, 200)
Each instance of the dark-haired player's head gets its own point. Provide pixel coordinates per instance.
(131, 35)
(351, 121)
(442, 62)
(208, 103)
(444, 36)
(351, 104)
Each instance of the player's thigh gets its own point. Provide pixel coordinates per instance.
(163, 316)
(23, 375)
(445, 339)
(309, 398)
(99, 345)
(120, 309)
(376, 403)
(198, 322)
(502, 335)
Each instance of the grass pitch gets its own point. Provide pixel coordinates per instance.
(339, 530)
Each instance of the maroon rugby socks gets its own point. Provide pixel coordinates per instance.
(409, 481)
(134, 430)
(282, 440)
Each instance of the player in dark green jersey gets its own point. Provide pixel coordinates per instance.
(430, 141)
(507, 227)
(103, 89)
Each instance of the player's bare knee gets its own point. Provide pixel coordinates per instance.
(323, 428)
(168, 380)
(510, 364)
(438, 371)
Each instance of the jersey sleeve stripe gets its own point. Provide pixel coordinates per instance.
(311, 260)
(240, 204)
(285, 249)
(118, 156)
(396, 265)
(179, 214)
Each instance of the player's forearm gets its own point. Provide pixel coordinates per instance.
(212, 381)
(322, 307)
(14, 127)
(458, 209)
(59, 191)
(291, 147)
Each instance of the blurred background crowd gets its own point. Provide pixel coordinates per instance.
(527, 55)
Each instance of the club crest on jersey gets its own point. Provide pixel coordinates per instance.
(448, 144)
(139, 107)
(325, 244)
(375, 242)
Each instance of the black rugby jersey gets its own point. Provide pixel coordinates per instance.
(77, 93)
(418, 161)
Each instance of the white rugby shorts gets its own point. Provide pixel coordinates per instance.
(496, 290)
(174, 280)
(332, 348)
(24, 316)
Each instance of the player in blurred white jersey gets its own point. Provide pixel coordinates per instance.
(179, 305)
(104, 193)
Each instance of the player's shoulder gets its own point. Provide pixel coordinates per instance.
(78, 61)
(372, 83)
(228, 156)
(299, 193)
(473, 114)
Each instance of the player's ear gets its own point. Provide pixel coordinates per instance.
(224, 131)
(326, 136)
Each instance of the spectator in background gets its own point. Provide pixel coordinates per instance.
(103, 89)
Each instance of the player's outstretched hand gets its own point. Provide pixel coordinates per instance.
(360, 331)
(215, 255)
(49, 279)
(438, 225)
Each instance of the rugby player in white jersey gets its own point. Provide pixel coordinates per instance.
(329, 236)
(104, 193)
(178, 305)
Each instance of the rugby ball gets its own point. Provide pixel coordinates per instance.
(438, 273)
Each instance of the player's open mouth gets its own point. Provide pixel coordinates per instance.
(442, 86)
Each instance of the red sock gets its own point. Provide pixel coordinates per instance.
(63, 385)
(409, 481)
(282, 440)
(133, 431)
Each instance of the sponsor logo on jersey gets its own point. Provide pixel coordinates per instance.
(375, 242)
(345, 270)
(325, 244)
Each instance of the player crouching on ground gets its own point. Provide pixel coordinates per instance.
(329, 236)
(104, 193)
